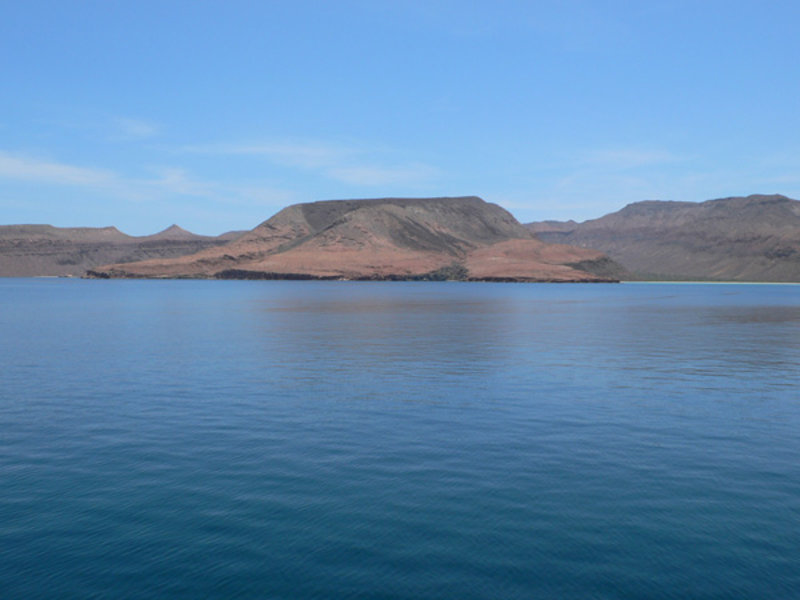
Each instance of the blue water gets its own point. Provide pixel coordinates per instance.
(224, 439)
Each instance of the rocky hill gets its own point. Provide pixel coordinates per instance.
(389, 238)
(753, 238)
(44, 250)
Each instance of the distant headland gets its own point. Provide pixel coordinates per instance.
(753, 238)
(454, 238)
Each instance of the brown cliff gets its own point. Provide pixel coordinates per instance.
(390, 238)
(753, 238)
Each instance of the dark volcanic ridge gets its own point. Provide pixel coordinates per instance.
(461, 238)
(44, 250)
(753, 238)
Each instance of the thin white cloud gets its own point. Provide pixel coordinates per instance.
(106, 127)
(370, 176)
(310, 155)
(175, 181)
(259, 195)
(346, 164)
(591, 183)
(167, 182)
(46, 171)
(127, 128)
(178, 181)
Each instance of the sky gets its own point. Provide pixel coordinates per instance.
(216, 114)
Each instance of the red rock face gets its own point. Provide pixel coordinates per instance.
(395, 238)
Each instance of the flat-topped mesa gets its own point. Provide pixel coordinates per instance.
(384, 238)
(752, 238)
(468, 217)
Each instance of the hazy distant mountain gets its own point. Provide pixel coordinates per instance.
(756, 238)
(42, 250)
(391, 238)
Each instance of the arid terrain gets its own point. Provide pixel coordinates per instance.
(753, 238)
(44, 250)
(461, 238)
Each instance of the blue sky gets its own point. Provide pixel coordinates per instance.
(214, 115)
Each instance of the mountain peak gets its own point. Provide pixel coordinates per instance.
(174, 232)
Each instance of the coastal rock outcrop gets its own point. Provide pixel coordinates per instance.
(462, 238)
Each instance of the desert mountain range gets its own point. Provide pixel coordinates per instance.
(389, 238)
(43, 250)
(753, 238)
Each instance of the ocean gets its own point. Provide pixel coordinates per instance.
(276, 439)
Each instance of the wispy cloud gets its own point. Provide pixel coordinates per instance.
(592, 182)
(369, 176)
(353, 165)
(104, 127)
(309, 155)
(179, 181)
(166, 182)
(127, 128)
(28, 168)
(176, 181)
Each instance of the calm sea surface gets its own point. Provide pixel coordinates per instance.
(224, 439)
